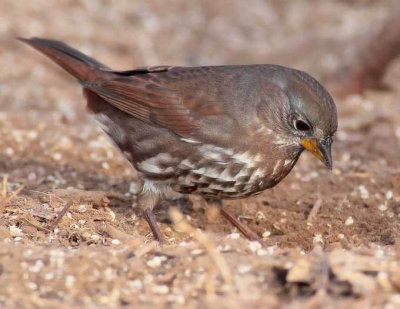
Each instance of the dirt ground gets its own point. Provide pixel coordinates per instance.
(330, 239)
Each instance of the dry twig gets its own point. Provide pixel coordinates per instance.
(60, 215)
(35, 225)
(317, 205)
(183, 225)
(4, 195)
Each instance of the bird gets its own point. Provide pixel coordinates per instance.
(221, 132)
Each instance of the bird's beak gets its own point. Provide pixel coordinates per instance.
(320, 149)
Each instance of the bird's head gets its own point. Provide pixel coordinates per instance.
(306, 114)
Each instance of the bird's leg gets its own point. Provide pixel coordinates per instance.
(151, 220)
(244, 229)
(146, 202)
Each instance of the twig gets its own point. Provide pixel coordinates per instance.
(317, 205)
(36, 225)
(4, 198)
(181, 224)
(60, 215)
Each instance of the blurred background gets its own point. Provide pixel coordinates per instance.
(350, 46)
(47, 142)
(315, 36)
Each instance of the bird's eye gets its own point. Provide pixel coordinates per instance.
(301, 125)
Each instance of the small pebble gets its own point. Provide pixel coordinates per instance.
(233, 235)
(269, 251)
(82, 208)
(49, 276)
(266, 234)
(379, 253)
(254, 246)
(197, 252)
(262, 252)
(32, 135)
(260, 216)
(161, 289)
(382, 207)
(95, 237)
(57, 156)
(318, 238)
(116, 242)
(349, 221)
(32, 286)
(15, 231)
(363, 192)
(243, 268)
(35, 268)
(69, 281)
(224, 248)
(9, 151)
(136, 284)
(156, 261)
(183, 244)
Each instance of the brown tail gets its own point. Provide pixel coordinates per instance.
(74, 62)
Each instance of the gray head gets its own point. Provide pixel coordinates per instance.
(306, 114)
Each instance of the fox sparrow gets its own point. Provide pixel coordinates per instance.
(224, 132)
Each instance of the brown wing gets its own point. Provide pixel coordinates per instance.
(147, 93)
(137, 94)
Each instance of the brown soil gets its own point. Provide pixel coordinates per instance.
(101, 253)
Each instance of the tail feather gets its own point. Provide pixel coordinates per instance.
(82, 67)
